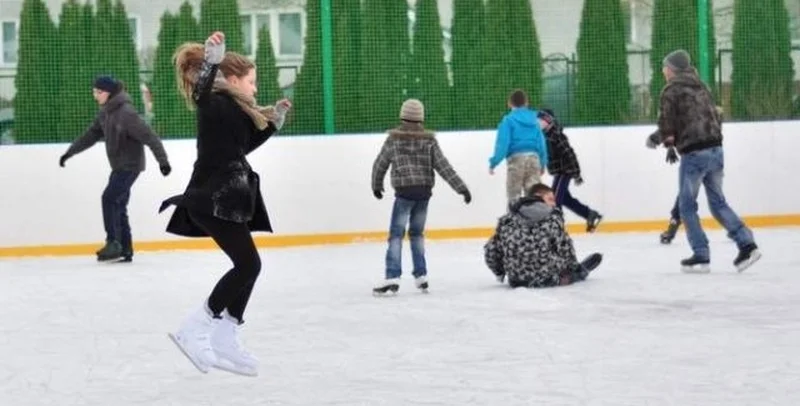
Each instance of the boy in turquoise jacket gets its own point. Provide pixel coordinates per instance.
(521, 142)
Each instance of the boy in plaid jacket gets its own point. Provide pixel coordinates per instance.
(413, 154)
(564, 167)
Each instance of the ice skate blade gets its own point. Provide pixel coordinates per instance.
(696, 269)
(200, 367)
(754, 257)
(229, 366)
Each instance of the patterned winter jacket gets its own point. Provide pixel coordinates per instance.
(688, 114)
(530, 245)
(563, 160)
(413, 154)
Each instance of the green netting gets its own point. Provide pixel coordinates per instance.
(597, 63)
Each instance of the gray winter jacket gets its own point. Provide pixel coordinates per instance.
(125, 135)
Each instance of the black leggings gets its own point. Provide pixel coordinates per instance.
(233, 290)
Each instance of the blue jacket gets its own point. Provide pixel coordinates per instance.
(519, 131)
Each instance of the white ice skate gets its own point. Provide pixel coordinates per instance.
(194, 338)
(231, 355)
(386, 287)
(421, 283)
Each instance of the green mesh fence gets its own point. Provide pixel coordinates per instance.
(348, 64)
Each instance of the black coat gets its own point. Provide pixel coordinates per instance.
(562, 158)
(222, 184)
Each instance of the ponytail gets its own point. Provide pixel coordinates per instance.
(188, 60)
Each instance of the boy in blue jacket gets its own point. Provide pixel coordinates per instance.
(520, 141)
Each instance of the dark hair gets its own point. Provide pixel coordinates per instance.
(539, 189)
(518, 98)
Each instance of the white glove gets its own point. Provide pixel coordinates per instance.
(281, 108)
(215, 52)
(501, 278)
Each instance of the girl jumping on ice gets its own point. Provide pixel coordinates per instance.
(222, 199)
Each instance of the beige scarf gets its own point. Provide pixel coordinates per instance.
(261, 115)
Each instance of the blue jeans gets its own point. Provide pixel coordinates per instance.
(412, 213)
(706, 166)
(115, 208)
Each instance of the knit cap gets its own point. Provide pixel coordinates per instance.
(412, 110)
(678, 60)
(107, 84)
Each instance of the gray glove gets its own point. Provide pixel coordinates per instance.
(653, 140)
(672, 155)
(215, 53)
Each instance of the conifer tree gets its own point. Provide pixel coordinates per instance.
(105, 40)
(77, 108)
(166, 101)
(603, 87)
(308, 110)
(468, 60)
(668, 14)
(515, 59)
(35, 82)
(763, 72)
(384, 55)
(428, 72)
(127, 59)
(269, 90)
(223, 15)
(347, 22)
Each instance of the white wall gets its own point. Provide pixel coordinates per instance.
(321, 184)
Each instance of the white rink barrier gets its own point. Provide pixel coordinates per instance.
(317, 188)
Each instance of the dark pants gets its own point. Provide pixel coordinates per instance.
(115, 208)
(233, 290)
(675, 214)
(564, 197)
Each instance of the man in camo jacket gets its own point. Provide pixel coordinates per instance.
(531, 247)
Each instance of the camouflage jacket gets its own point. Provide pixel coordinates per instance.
(688, 114)
(530, 245)
(413, 154)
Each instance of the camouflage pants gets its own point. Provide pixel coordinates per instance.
(524, 171)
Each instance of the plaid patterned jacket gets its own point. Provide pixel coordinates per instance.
(413, 154)
(563, 160)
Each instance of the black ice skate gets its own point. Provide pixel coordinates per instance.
(586, 266)
(695, 265)
(111, 252)
(387, 287)
(668, 235)
(592, 221)
(748, 255)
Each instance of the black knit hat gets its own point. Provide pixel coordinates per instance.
(678, 60)
(107, 83)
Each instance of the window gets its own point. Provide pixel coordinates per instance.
(10, 42)
(291, 34)
(285, 29)
(793, 7)
(133, 23)
(638, 15)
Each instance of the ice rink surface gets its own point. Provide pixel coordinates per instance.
(638, 332)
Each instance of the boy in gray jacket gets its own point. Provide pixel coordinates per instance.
(413, 154)
(125, 134)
